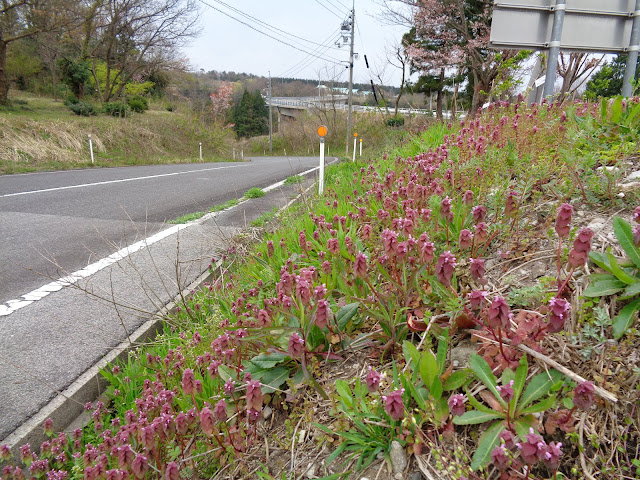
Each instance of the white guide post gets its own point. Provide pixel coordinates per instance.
(91, 148)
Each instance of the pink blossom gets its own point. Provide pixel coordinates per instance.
(373, 380)
(220, 410)
(139, 466)
(466, 239)
(333, 246)
(467, 198)
(296, 345)
(5, 452)
(445, 267)
(445, 209)
(254, 395)
(322, 314)
(207, 421)
(48, 427)
(302, 240)
(499, 315)
(584, 395)
(636, 215)
(270, 248)
(552, 454)
(393, 404)
(303, 290)
(477, 268)
(636, 235)
(456, 404)
(581, 247)
(360, 265)
(477, 298)
(229, 387)
(326, 267)
(171, 471)
(510, 206)
(389, 242)
(563, 220)
(506, 391)
(559, 310)
(500, 458)
(479, 213)
(533, 448)
(508, 438)
(481, 232)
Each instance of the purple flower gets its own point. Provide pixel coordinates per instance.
(456, 404)
(333, 246)
(322, 314)
(559, 310)
(508, 438)
(552, 454)
(140, 466)
(481, 232)
(360, 265)
(389, 242)
(499, 315)
(510, 206)
(445, 209)
(581, 247)
(171, 471)
(465, 240)
(636, 235)
(533, 448)
(48, 427)
(467, 197)
(188, 381)
(479, 213)
(373, 380)
(500, 458)
(584, 395)
(477, 298)
(229, 387)
(563, 220)
(296, 346)
(477, 269)
(5, 452)
(220, 410)
(444, 268)
(254, 395)
(393, 404)
(506, 391)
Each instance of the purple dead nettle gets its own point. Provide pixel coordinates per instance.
(551, 456)
(445, 267)
(360, 265)
(636, 215)
(584, 395)
(372, 380)
(456, 404)
(563, 220)
(506, 391)
(477, 299)
(481, 232)
(477, 270)
(579, 254)
(533, 448)
(499, 315)
(296, 346)
(508, 438)
(445, 209)
(465, 240)
(636, 235)
(393, 404)
(559, 311)
(207, 421)
(511, 205)
(254, 395)
(500, 457)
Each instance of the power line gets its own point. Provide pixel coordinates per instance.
(307, 60)
(271, 27)
(328, 9)
(342, 10)
(330, 60)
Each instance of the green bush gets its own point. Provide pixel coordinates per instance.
(83, 108)
(138, 104)
(117, 109)
(254, 192)
(71, 100)
(396, 121)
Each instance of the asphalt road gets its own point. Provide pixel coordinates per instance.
(53, 223)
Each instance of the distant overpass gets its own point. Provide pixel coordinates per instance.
(292, 106)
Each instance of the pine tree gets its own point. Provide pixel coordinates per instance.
(250, 115)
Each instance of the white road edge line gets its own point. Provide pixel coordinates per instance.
(122, 180)
(38, 294)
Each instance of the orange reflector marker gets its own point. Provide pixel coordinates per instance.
(322, 131)
(355, 134)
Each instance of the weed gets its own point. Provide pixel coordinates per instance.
(223, 206)
(189, 217)
(294, 180)
(254, 193)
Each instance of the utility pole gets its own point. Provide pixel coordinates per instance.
(353, 24)
(554, 48)
(270, 118)
(632, 58)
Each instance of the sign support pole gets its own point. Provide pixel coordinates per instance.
(554, 48)
(321, 180)
(355, 140)
(360, 147)
(632, 58)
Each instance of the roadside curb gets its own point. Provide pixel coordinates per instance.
(66, 409)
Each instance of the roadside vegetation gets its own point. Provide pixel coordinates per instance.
(462, 306)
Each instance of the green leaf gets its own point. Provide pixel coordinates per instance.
(624, 319)
(273, 379)
(523, 426)
(619, 272)
(268, 360)
(316, 337)
(545, 404)
(345, 392)
(337, 452)
(600, 259)
(519, 380)
(486, 443)
(482, 407)
(411, 354)
(346, 313)
(436, 388)
(632, 290)
(443, 349)
(603, 288)
(474, 417)
(538, 386)
(414, 393)
(428, 368)
(226, 372)
(455, 380)
(616, 110)
(483, 371)
(623, 232)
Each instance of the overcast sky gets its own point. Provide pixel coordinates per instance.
(227, 45)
